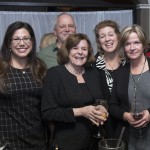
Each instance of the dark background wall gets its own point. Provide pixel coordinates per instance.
(56, 5)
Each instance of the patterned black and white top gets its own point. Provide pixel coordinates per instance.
(20, 116)
(100, 64)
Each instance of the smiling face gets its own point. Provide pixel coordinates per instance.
(133, 47)
(78, 54)
(21, 44)
(108, 39)
(64, 27)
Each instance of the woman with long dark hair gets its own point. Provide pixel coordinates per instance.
(21, 78)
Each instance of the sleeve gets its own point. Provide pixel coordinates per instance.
(51, 110)
(115, 108)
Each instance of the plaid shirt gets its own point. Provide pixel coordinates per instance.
(20, 118)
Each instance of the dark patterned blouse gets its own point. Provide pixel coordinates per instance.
(20, 117)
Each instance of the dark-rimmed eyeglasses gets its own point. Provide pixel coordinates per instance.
(26, 40)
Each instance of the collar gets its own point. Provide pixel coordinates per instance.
(100, 63)
(56, 49)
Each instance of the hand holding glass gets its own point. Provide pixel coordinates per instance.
(103, 103)
(136, 110)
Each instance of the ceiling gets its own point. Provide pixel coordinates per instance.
(52, 5)
(65, 2)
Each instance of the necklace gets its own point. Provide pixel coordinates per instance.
(136, 82)
(111, 66)
(74, 71)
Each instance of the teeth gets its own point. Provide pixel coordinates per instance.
(109, 44)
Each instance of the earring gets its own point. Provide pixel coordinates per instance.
(10, 49)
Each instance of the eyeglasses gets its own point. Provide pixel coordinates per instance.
(26, 40)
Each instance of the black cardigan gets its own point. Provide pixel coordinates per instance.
(60, 95)
(119, 103)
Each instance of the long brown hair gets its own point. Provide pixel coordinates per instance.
(37, 67)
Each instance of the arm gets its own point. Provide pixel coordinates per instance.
(51, 109)
(115, 103)
(97, 115)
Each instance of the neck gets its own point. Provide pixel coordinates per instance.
(75, 70)
(19, 63)
(137, 62)
(112, 60)
(111, 56)
(59, 44)
(137, 66)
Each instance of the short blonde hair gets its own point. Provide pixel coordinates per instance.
(47, 39)
(136, 29)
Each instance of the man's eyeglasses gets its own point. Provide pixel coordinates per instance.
(26, 40)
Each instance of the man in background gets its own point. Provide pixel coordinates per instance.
(63, 27)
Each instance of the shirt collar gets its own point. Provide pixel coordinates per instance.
(55, 49)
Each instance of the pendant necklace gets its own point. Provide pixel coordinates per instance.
(111, 66)
(136, 82)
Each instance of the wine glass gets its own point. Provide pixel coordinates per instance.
(136, 110)
(3, 144)
(102, 102)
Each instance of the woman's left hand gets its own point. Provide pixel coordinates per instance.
(143, 121)
(101, 114)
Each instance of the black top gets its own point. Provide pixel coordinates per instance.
(61, 93)
(20, 118)
(107, 77)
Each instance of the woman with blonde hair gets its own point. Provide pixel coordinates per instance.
(131, 84)
(108, 61)
(47, 39)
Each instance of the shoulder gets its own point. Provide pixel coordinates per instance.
(91, 71)
(56, 70)
(123, 71)
(46, 50)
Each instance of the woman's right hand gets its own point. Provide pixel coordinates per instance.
(127, 116)
(97, 115)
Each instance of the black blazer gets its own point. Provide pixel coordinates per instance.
(59, 92)
(62, 93)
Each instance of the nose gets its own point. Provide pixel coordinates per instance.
(66, 28)
(21, 42)
(107, 38)
(80, 51)
(132, 46)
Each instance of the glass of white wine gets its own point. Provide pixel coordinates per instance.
(102, 102)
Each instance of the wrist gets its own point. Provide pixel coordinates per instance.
(124, 116)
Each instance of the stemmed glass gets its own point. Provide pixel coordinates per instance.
(102, 102)
(136, 110)
(3, 144)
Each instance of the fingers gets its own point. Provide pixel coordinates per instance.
(95, 115)
(94, 122)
